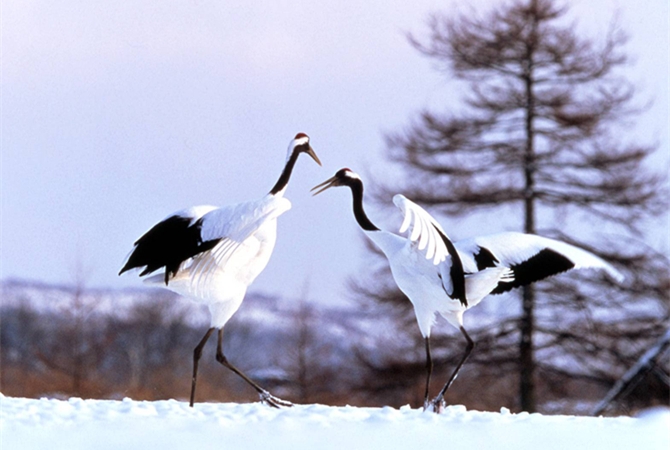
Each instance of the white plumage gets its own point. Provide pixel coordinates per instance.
(246, 234)
(441, 277)
(212, 254)
(426, 251)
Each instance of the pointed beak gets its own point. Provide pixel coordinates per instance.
(310, 152)
(329, 183)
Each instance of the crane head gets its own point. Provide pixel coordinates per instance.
(343, 177)
(300, 144)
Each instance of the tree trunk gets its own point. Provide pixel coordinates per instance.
(527, 323)
(526, 359)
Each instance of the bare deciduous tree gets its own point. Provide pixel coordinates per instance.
(540, 135)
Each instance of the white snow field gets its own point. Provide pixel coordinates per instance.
(127, 424)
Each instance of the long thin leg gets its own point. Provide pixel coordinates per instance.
(429, 372)
(265, 395)
(437, 402)
(197, 353)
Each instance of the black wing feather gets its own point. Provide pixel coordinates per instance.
(485, 259)
(542, 265)
(456, 272)
(168, 244)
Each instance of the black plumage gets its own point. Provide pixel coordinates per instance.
(168, 244)
(542, 265)
(456, 271)
(485, 259)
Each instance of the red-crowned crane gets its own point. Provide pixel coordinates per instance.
(441, 277)
(211, 255)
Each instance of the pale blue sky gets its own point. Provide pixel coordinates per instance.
(115, 114)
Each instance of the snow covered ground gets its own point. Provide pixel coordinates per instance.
(108, 424)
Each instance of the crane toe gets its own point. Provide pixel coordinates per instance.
(273, 401)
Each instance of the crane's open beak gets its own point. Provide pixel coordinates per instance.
(329, 183)
(310, 152)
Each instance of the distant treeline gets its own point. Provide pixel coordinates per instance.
(304, 353)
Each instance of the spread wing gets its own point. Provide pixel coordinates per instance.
(531, 257)
(436, 245)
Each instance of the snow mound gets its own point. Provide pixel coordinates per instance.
(109, 424)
